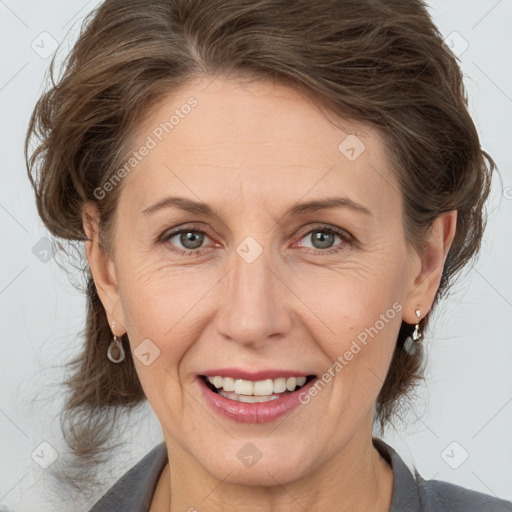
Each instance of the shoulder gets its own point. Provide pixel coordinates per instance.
(436, 495)
(134, 490)
(415, 494)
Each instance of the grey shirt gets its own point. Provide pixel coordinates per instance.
(133, 492)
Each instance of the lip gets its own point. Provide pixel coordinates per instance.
(237, 373)
(260, 412)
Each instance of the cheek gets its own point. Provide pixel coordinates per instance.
(164, 393)
(358, 310)
(155, 304)
(347, 300)
(167, 308)
(155, 295)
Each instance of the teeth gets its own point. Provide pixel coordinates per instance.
(263, 387)
(243, 387)
(248, 399)
(279, 385)
(291, 383)
(228, 384)
(260, 388)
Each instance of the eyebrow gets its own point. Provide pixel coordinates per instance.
(201, 208)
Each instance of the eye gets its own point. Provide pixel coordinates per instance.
(190, 239)
(323, 238)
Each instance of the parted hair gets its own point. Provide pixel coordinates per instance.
(380, 62)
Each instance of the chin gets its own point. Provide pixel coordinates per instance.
(275, 470)
(260, 475)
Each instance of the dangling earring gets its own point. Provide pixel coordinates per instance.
(115, 343)
(412, 341)
(416, 335)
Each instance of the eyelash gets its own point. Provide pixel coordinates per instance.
(345, 237)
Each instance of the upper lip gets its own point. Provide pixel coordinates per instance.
(237, 373)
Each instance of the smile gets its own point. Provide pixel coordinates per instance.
(248, 391)
(254, 399)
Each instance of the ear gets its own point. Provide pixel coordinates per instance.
(102, 269)
(425, 282)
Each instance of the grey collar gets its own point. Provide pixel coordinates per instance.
(405, 489)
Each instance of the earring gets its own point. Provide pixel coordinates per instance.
(115, 343)
(416, 335)
(412, 342)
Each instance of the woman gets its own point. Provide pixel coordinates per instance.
(273, 196)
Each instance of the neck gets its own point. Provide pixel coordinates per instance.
(356, 479)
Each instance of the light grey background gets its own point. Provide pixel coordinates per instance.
(466, 409)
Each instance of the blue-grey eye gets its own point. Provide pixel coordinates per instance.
(322, 238)
(191, 239)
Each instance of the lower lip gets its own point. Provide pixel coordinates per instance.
(262, 412)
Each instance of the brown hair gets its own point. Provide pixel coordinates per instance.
(381, 62)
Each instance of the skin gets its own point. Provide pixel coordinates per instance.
(252, 151)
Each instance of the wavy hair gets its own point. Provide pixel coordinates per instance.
(380, 62)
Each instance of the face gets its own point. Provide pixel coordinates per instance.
(251, 288)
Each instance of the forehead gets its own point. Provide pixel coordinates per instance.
(223, 141)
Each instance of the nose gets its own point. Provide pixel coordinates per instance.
(254, 310)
